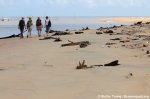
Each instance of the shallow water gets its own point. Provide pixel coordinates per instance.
(58, 23)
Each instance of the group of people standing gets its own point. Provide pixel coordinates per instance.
(22, 26)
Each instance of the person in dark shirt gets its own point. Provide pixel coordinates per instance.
(21, 26)
(39, 26)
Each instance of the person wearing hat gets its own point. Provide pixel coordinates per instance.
(29, 27)
(39, 26)
(47, 25)
(21, 26)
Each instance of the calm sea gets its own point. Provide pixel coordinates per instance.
(10, 25)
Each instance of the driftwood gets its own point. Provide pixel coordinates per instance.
(2, 69)
(99, 33)
(87, 28)
(76, 43)
(46, 38)
(109, 31)
(124, 41)
(79, 32)
(55, 39)
(82, 65)
(147, 23)
(115, 39)
(138, 23)
(61, 33)
(113, 63)
(52, 31)
(12, 36)
(147, 52)
(110, 43)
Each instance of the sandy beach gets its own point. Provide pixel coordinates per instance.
(42, 69)
(126, 19)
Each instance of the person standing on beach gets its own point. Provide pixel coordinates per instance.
(39, 26)
(29, 27)
(21, 26)
(47, 25)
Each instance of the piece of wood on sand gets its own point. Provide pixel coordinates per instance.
(76, 43)
(79, 32)
(60, 33)
(113, 63)
(50, 37)
(82, 65)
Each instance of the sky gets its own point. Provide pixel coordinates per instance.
(74, 8)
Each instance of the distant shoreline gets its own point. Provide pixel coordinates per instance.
(126, 19)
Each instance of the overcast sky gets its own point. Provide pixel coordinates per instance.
(74, 7)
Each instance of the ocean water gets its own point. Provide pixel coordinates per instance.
(9, 27)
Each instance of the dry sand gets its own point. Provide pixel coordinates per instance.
(35, 69)
(126, 19)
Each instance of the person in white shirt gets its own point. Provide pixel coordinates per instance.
(47, 25)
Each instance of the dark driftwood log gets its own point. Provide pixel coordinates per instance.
(115, 39)
(138, 23)
(110, 43)
(109, 31)
(57, 40)
(113, 63)
(47, 38)
(79, 32)
(12, 36)
(99, 33)
(75, 43)
(52, 31)
(96, 65)
(61, 33)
